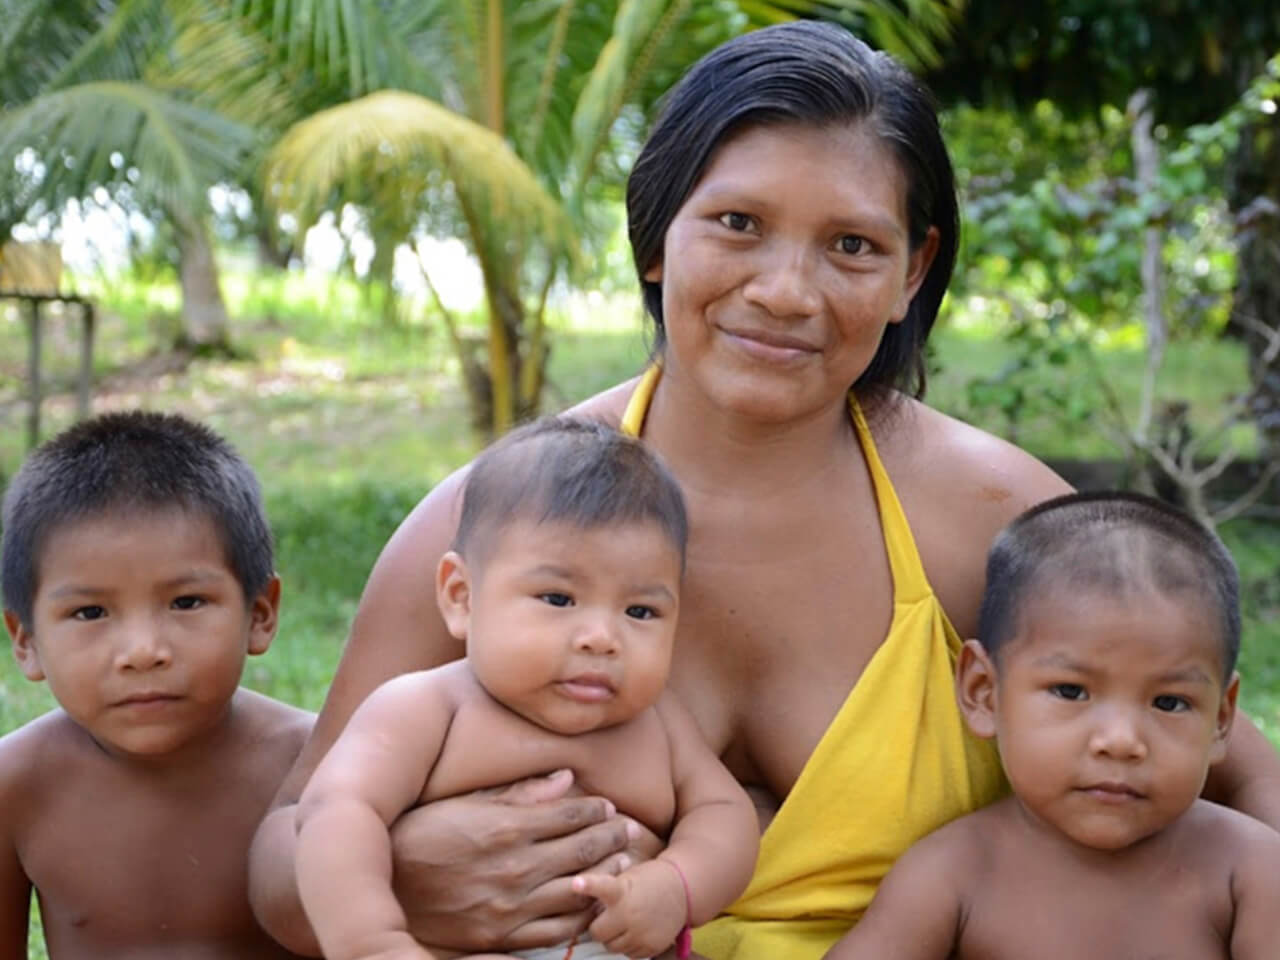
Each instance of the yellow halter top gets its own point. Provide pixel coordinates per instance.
(896, 763)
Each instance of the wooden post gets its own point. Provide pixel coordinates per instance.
(84, 389)
(33, 372)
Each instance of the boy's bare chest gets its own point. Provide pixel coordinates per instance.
(488, 746)
(128, 869)
(1174, 914)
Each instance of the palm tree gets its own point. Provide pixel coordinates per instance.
(506, 119)
(143, 99)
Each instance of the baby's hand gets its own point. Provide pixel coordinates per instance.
(644, 908)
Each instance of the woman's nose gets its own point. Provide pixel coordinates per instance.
(783, 284)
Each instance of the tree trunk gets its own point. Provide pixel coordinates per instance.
(1254, 196)
(204, 314)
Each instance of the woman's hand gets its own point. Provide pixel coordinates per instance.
(493, 870)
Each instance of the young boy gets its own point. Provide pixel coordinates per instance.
(137, 574)
(1105, 670)
(564, 581)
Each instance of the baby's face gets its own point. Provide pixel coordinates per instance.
(141, 628)
(1110, 710)
(573, 628)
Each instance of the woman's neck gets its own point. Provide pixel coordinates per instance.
(715, 449)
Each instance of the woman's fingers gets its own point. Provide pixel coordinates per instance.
(471, 871)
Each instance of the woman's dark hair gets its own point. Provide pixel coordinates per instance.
(820, 75)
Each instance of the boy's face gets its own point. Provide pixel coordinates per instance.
(1108, 710)
(570, 628)
(141, 628)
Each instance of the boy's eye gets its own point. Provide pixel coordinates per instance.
(850, 243)
(188, 603)
(736, 221)
(556, 599)
(1068, 691)
(90, 612)
(638, 611)
(1170, 703)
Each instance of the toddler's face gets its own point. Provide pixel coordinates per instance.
(141, 628)
(573, 628)
(1110, 710)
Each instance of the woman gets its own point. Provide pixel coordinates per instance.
(793, 220)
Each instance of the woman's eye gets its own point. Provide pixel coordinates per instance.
(639, 611)
(851, 244)
(188, 603)
(91, 612)
(556, 599)
(1170, 703)
(736, 221)
(1068, 691)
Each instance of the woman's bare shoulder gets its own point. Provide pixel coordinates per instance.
(959, 487)
(608, 405)
(961, 467)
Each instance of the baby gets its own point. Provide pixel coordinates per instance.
(1104, 669)
(564, 581)
(137, 575)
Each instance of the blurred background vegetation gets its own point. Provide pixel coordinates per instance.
(362, 236)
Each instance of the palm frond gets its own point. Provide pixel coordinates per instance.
(93, 134)
(346, 44)
(640, 29)
(911, 30)
(394, 140)
(222, 62)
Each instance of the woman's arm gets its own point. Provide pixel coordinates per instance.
(475, 872)
(1248, 778)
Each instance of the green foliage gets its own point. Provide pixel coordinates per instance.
(1083, 54)
(1055, 226)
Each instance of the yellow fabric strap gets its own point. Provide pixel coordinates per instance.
(896, 763)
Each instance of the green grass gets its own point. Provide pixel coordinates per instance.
(350, 421)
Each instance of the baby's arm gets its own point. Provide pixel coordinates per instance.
(713, 847)
(916, 912)
(1255, 888)
(373, 773)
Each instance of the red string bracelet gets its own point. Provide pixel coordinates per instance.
(684, 939)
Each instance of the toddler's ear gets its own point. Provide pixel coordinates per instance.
(453, 593)
(1226, 717)
(976, 689)
(24, 648)
(264, 617)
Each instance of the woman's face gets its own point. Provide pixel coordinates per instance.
(785, 265)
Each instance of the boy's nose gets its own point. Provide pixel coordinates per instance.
(143, 647)
(1118, 735)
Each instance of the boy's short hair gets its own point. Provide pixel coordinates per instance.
(1110, 541)
(134, 460)
(567, 470)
